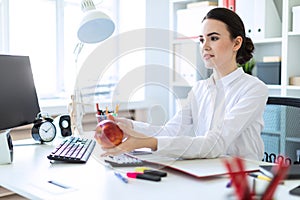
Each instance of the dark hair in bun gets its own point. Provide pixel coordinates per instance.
(236, 28)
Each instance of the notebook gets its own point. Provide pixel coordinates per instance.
(200, 168)
(293, 171)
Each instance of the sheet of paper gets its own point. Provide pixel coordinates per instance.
(50, 187)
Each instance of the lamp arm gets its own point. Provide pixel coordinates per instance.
(77, 50)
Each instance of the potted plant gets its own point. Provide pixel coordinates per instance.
(248, 66)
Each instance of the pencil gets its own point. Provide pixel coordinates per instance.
(97, 109)
(117, 109)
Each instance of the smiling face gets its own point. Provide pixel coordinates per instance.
(218, 49)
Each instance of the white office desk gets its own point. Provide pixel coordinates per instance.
(30, 172)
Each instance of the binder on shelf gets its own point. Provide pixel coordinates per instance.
(188, 66)
(225, 3)
(296, 18)
(262, 18)
(185, 63)
(230, 4)
(188, 20)
(245, 9)
(267, 22)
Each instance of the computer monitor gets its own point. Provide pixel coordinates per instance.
(18, 98)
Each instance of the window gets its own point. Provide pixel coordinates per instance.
(48, 36)
(3, 25)
(46, 31)
(32, 31)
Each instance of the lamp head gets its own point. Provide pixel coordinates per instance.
(95, 26)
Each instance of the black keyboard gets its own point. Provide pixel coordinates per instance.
(74, 150)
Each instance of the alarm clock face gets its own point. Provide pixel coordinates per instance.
(47, 131)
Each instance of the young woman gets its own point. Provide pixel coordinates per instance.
(224, 113)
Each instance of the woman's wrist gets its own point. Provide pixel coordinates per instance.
(131, 124)
(152, 143)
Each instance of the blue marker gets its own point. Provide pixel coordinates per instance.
(125, 180)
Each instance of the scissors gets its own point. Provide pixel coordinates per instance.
(276, 159)
(287, 160)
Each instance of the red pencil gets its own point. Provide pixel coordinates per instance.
(97, 109)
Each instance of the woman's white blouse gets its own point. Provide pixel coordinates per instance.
(223, 117)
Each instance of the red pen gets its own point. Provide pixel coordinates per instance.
(139, 175)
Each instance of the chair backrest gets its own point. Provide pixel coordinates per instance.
(281, 134)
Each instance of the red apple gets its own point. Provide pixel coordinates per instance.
(108, 134)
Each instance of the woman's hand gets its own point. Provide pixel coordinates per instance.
(98, 130)
(134, 140)
(122, 120)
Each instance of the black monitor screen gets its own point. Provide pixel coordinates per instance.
(18, 99)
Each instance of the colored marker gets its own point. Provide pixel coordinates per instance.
(139, 175)
(141, 169)
(155, 172)
(146, 170)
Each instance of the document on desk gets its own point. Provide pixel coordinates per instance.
(49, 188)
(200, 168)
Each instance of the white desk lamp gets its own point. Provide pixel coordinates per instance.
(95, 26)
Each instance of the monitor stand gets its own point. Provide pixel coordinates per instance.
(6, 147)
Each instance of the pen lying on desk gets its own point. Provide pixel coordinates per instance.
(125, 180)
(261, 177)
(59, 184)
(228, 185)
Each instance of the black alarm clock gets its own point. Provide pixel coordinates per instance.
(43, 129)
